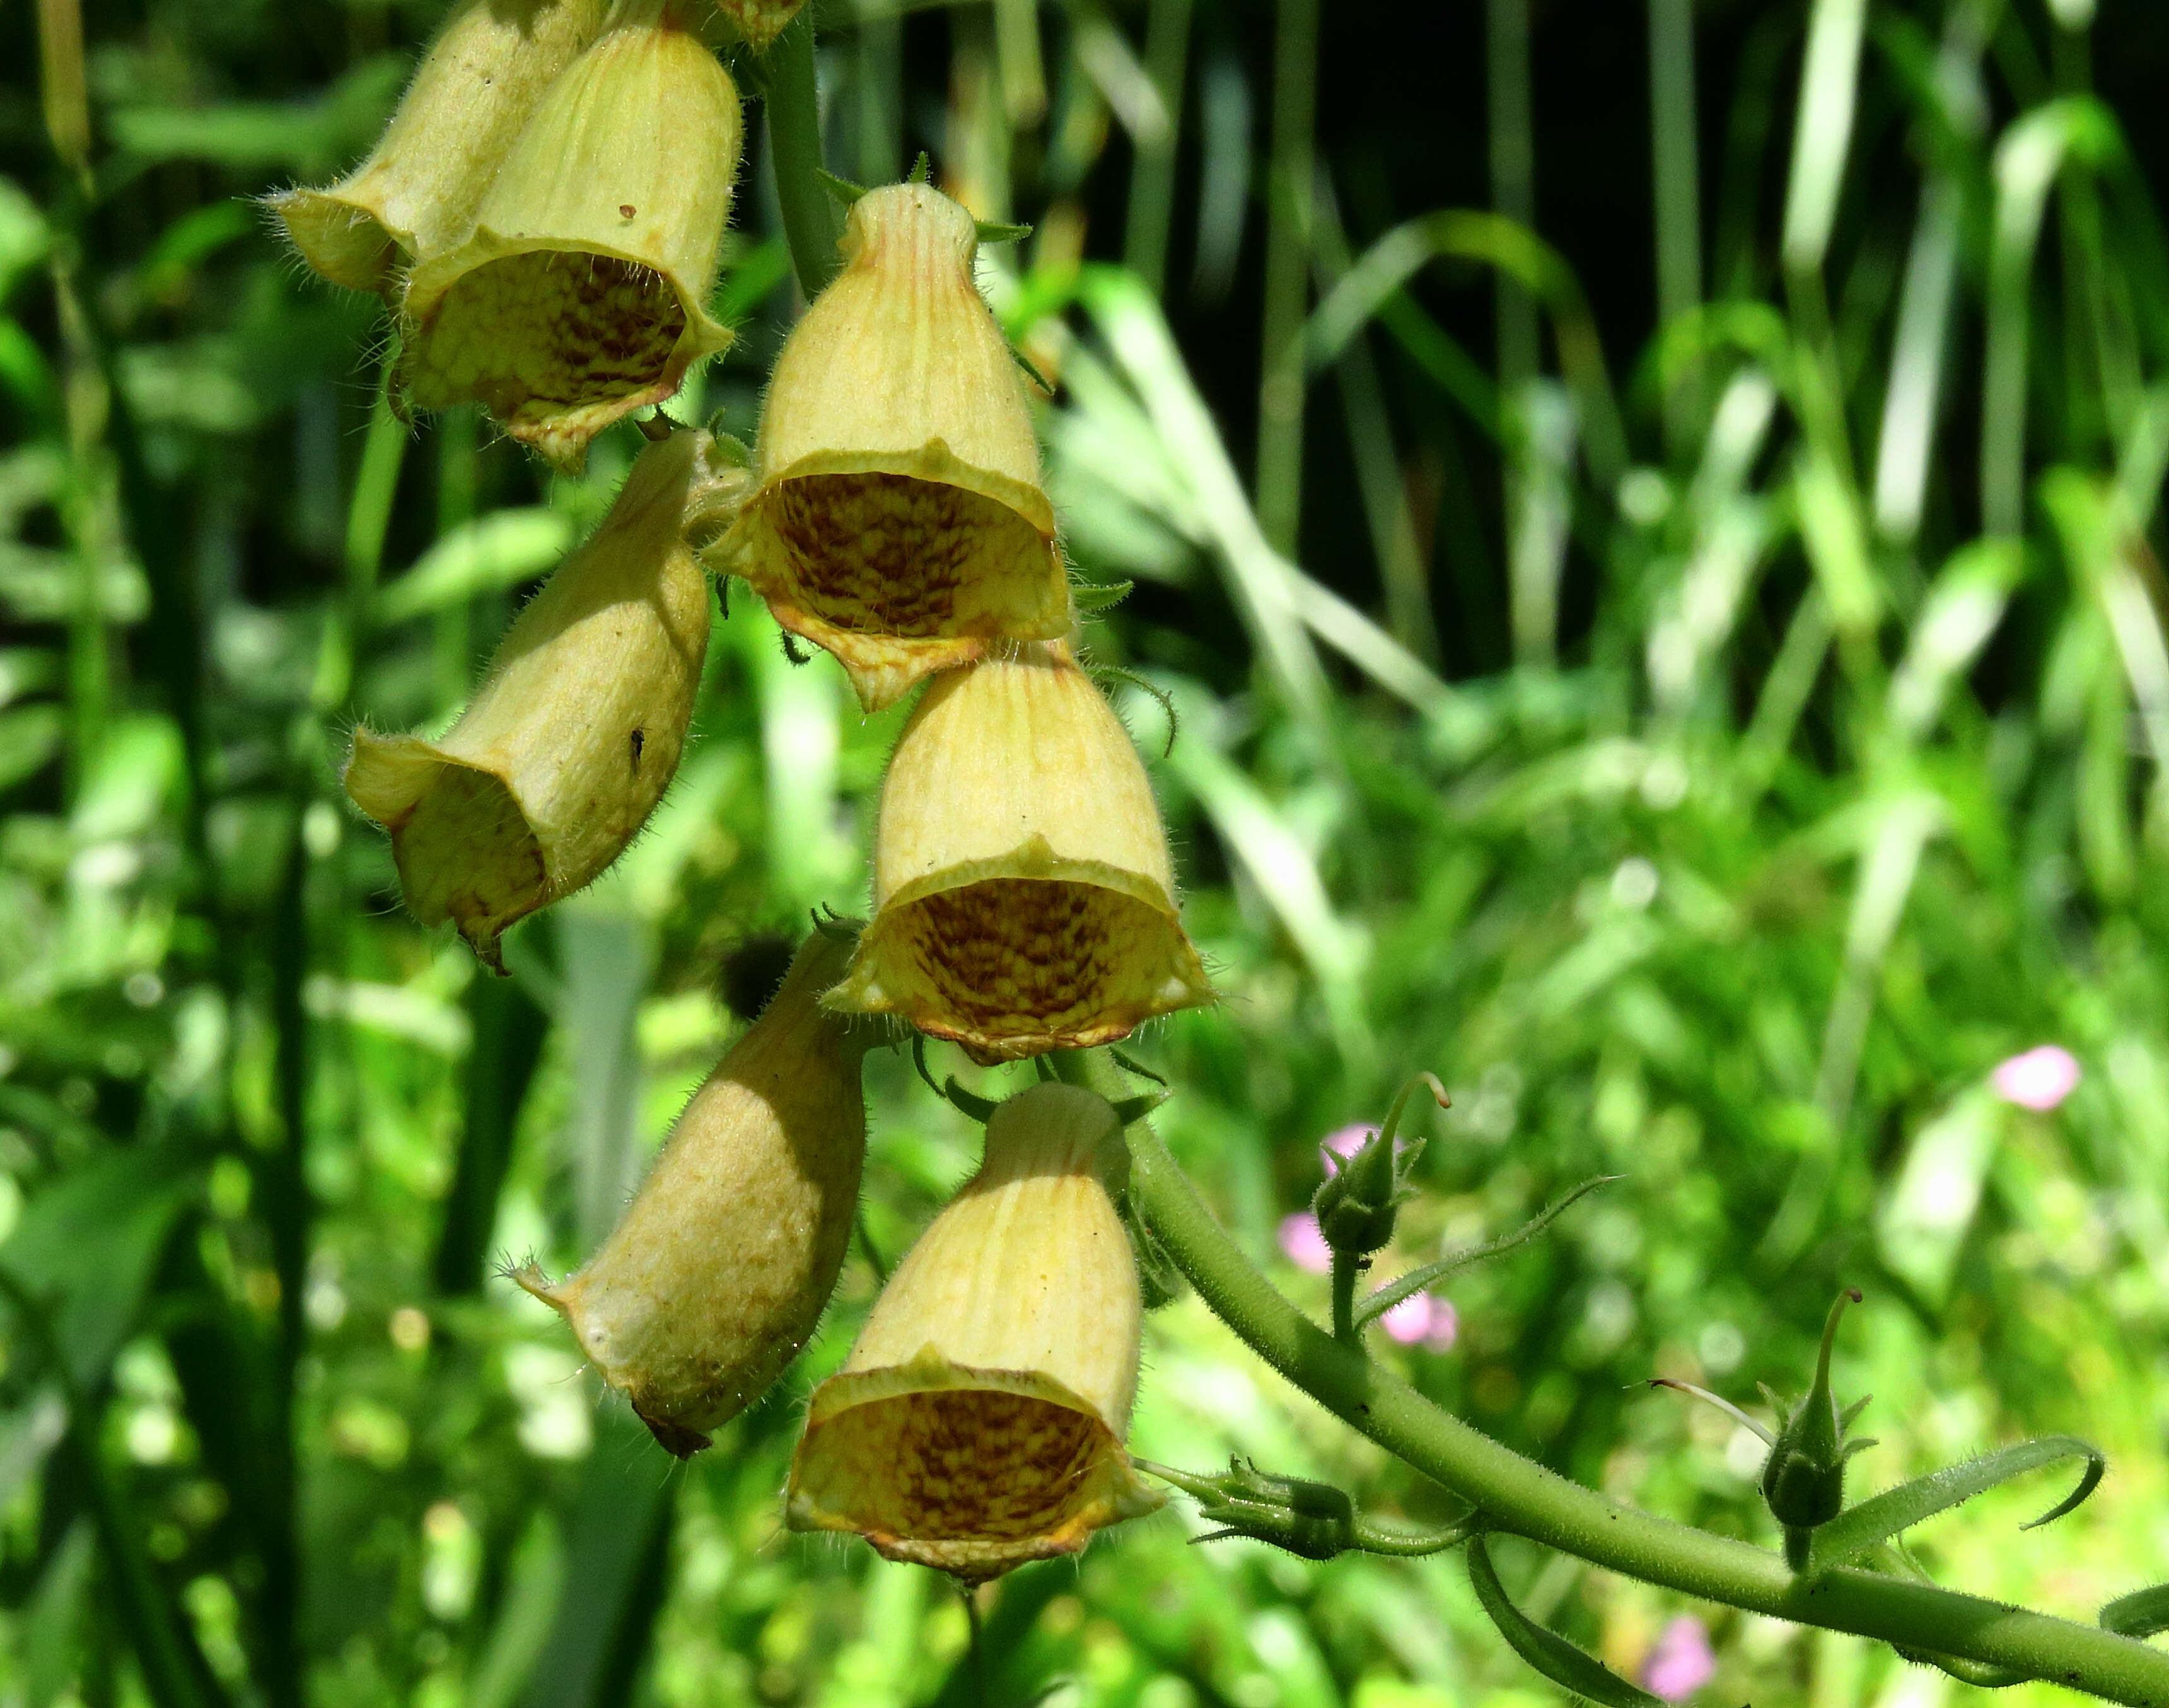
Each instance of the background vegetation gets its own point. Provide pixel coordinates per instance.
(1720, 714)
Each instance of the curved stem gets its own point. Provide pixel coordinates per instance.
(1514, 1494)
(793, 109)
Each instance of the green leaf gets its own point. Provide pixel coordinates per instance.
(86, 1247)
(2141, 1614)
(1853, 1532)
(486, 554)
(1550, 1654)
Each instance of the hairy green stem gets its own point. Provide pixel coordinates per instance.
(1343, 1299)
(793, 109)
(1514, 1494)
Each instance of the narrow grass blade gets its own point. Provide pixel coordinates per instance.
(1554, 1655)
(1852, 1533)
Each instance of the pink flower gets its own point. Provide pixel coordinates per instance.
(1425, 1319)
(1304, 1244)
(2039, 1079)
(1680, 1661)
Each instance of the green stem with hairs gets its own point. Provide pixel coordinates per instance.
(1517, 1495)
(793, 109)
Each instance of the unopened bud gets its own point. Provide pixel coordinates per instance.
(718, 1271)
(1803, 1478)
(1357, 1204)
(1315, 1520)
(574, 733)
(900, 522)
(979, 1421)
(581, 292)
(1023, 897)
(479, 83)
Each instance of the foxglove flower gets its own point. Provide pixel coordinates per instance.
(482, 79)
(979, 1422)
(580, 295)
(574, 733)
(718, 1271)
(1023, 897)
(899, 520)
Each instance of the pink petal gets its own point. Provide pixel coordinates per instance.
(1445, 1326)
(2039, 1079)
(1410, 1321)
(1304, 1243)
(1680, 1662)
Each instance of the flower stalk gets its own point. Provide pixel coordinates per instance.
(1517, 1495)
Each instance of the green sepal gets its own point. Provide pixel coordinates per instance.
(2141, 1614)
(842, 188)
(1549, 1654)
(1093, 597)
(1853, 1533)
(1416, 1280)
(993, 231)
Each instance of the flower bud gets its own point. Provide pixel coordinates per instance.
(574, 733)
(900, 521)
(979, 1421)
(580, 293)
(477, 86)
(1023, 897)
(1314, 1520)
(1804, 1477)
(718, 1272)
(1358, 1203)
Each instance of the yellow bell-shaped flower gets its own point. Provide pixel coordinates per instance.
(574, 733)
(477, 86)
(899, 520)
(1023, 897)
(979, 1422)
(581, 292)
(717, 1273)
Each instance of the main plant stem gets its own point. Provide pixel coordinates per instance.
(1514, 1494)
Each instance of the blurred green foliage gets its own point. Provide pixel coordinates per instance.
(1759, 735)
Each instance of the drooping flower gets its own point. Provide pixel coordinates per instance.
(2039, 1079)
(900, 521)
(718, 1271)
(979, 1422)
(581, 292)
(574, 733)
(1023, 892)
(477, 86)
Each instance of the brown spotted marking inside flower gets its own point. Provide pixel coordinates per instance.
(966, 1465)
(888, 554)
(1011, 966)
(549, 330)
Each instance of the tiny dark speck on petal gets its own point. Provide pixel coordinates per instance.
(625, 211)
(639, 741)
